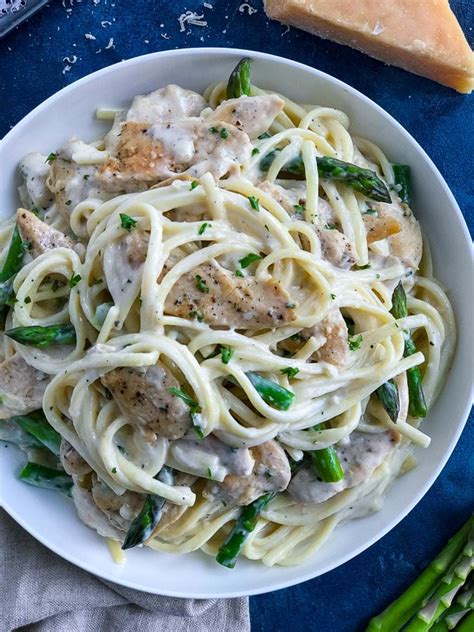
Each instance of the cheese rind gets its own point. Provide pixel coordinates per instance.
(423, 37)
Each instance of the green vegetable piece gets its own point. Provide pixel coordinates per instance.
(254, 202)
(127, 222)
(203, 227)
(290, 371)
(36, 425)
(37, 336)
(74, 280)
(245, 524)
(395, 616)
(226, 354)
(416, 398)
(326, 462)
(239, 80)
(402, 176)
(14, 257)
(271, 392)
(249, 259)
(355, 342)
(47, 478)
(201, 284)
(142, 527)
(388, 397)
(363, 180)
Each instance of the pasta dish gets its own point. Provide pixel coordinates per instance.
(221, 326)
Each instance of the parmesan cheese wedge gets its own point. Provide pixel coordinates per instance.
(422, 36)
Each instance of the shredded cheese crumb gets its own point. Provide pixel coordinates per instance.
(89, 36)
(191, 18)
(246, 6)
(110, 44)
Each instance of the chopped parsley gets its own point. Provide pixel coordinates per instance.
(114, 470)
(68, 202)
(367, 265)
(35, 211)
(299, 209)
(201, 284)
(193, 185)
(290, 371)
(224, 133)
(330, 227)
(255, 151)
(354, 343)
(226, 354)
(74, 280)
(209, 473)
(189, 401)
(264, 135)
(86, 176)
(199, 316)
(254, 202)
(198, 431)
(214, 130)
(127, 222)
(203, 227)
(248, 259)
(239, 273)
(52, 156)
(333, 296)
(27, 300)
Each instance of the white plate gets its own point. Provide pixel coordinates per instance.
(51, 518)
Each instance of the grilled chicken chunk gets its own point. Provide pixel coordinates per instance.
(253, 115)
(142, 394)
(231, 301)
(166, 104)
(21, 387)
(359, 457)
(380, 227)
(92, 516)
(40, 235)
(407, 243)
(147, 154)
(72, 461)
(332, 335)
(71, 183)
(34, 169)
(271, 473)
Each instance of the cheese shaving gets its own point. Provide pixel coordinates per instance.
(191, 18)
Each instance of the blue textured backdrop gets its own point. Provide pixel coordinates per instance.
(34, 65)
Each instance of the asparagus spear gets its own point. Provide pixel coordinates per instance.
(14, 259)
(271, 392)
(363, 180)
(36, 425)
(326, 462)
(245, 524)
(446, 591)
(37, 336)
(402, 175)
(239, 80)
(6, 292)
(417, 404)
(467, 624)
(142, 527)
(400, 611)
(455, 613)
(388, 396)
(41, 476)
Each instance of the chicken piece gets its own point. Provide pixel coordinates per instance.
(92, 516)
(240, 302)
(171, 512)
(165, 105)
(34, 169)
(72, 461)
(332, 335)
(142, 394)
(71, 183)
(288, 198)
(252, 115)
(147, 154)
(120, 510)
(380, 227)
(209, 457)
(40, 235)
(359, 456)
(336, 248)
(271, 473)
(21, 387)
(407, 243)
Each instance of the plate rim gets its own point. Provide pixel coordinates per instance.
(310, 574)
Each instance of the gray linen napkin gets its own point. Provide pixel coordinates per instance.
(40, 592)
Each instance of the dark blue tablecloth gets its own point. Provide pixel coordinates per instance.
(33, 66)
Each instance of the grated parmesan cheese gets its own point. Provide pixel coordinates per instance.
(191, 18)
(245, 6)
(110, 44)
(89, 36)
